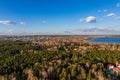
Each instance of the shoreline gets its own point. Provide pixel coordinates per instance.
(88, 40)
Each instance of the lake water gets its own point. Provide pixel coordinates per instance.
(106, 40)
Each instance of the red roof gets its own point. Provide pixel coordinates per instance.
(116, 69)
(110, 65)
(118, 65)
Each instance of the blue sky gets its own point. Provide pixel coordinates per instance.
(77, 17)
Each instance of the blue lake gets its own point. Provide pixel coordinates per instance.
(106, 40)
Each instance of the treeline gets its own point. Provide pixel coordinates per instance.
(53, 65)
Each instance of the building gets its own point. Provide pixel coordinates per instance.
(113, 69)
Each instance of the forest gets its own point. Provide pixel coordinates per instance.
(24, 61)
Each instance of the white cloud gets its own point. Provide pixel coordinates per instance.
(67, 32)
(91, 19)
(98, 31)
(118, 17)
(22, 23)
(81, 20)
(102, 10)
(118, 4)
(6, 22)
(44, 21)
(10, 31)
(111, 14)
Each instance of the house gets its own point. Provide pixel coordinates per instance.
(110, 66)
(116, 70)
(113, 70)
(118, 65)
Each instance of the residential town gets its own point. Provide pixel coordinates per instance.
(58, 58)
